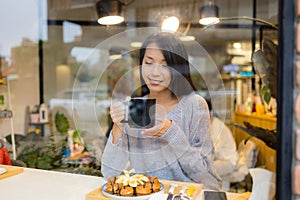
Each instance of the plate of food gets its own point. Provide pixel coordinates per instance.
(2, 170)
(135, 187)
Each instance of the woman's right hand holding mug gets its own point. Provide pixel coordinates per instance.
(117, 114)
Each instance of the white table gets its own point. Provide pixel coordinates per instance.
(35, 184)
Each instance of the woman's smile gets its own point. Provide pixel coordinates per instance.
(154, 82)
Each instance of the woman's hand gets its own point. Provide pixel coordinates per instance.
(161, 128)
(117, 114)
(158, 130)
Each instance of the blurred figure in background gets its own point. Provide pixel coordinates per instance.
(226, 155)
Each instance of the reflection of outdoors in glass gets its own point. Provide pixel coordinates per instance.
(20, 56)
(71, 32)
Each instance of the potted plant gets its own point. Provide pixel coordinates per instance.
(49, 152)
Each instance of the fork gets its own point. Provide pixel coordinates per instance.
(182, 195)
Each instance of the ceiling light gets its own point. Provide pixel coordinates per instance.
(170, 24)
(237, 45)
(187, 38)
(115, 56)
(109, 12)
(136, 44)
(209, 14)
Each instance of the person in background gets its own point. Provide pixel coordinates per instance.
(179, 146)
(226, 155)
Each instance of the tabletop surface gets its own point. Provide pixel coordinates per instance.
(35, 184)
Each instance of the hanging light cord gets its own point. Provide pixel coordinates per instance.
(190, 19)
(245, 18)
(127, 3)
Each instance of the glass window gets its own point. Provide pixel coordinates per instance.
(55, 52)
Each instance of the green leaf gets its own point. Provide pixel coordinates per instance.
(61, 123)
(267, 98)
(44, 162)
(265, 92)
(76, 134)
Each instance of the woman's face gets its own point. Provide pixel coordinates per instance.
(155, 70)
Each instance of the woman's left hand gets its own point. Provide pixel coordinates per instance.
(158, 130)
(162, 127)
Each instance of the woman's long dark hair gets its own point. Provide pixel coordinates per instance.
(176, 57)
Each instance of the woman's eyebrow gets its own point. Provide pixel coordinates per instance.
(151, 58)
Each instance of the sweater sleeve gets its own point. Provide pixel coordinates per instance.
(192, 145)
(115, 157)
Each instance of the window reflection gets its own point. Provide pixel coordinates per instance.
(19, 38)
(71, 32)
(80, 77)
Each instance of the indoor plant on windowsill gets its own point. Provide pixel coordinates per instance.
(71, 139)
(43, 152)
(47, 152)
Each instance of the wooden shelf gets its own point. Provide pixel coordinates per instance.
(34, 125)
(227, 77)
(38, 123)
(263, 121)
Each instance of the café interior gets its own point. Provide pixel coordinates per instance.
(61, 67)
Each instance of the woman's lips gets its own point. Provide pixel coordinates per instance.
(154, 82)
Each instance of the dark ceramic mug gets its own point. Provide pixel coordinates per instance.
(140, 112)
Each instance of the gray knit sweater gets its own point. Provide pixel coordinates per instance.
(184, 153)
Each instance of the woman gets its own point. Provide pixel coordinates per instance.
(179, 147)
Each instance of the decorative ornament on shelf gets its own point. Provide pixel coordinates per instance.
(43, 112)
(75, 143)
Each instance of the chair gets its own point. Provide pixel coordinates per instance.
(247, 157)
(263, 184)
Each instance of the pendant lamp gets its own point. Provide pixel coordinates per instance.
(109, 12)
(209, 13)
